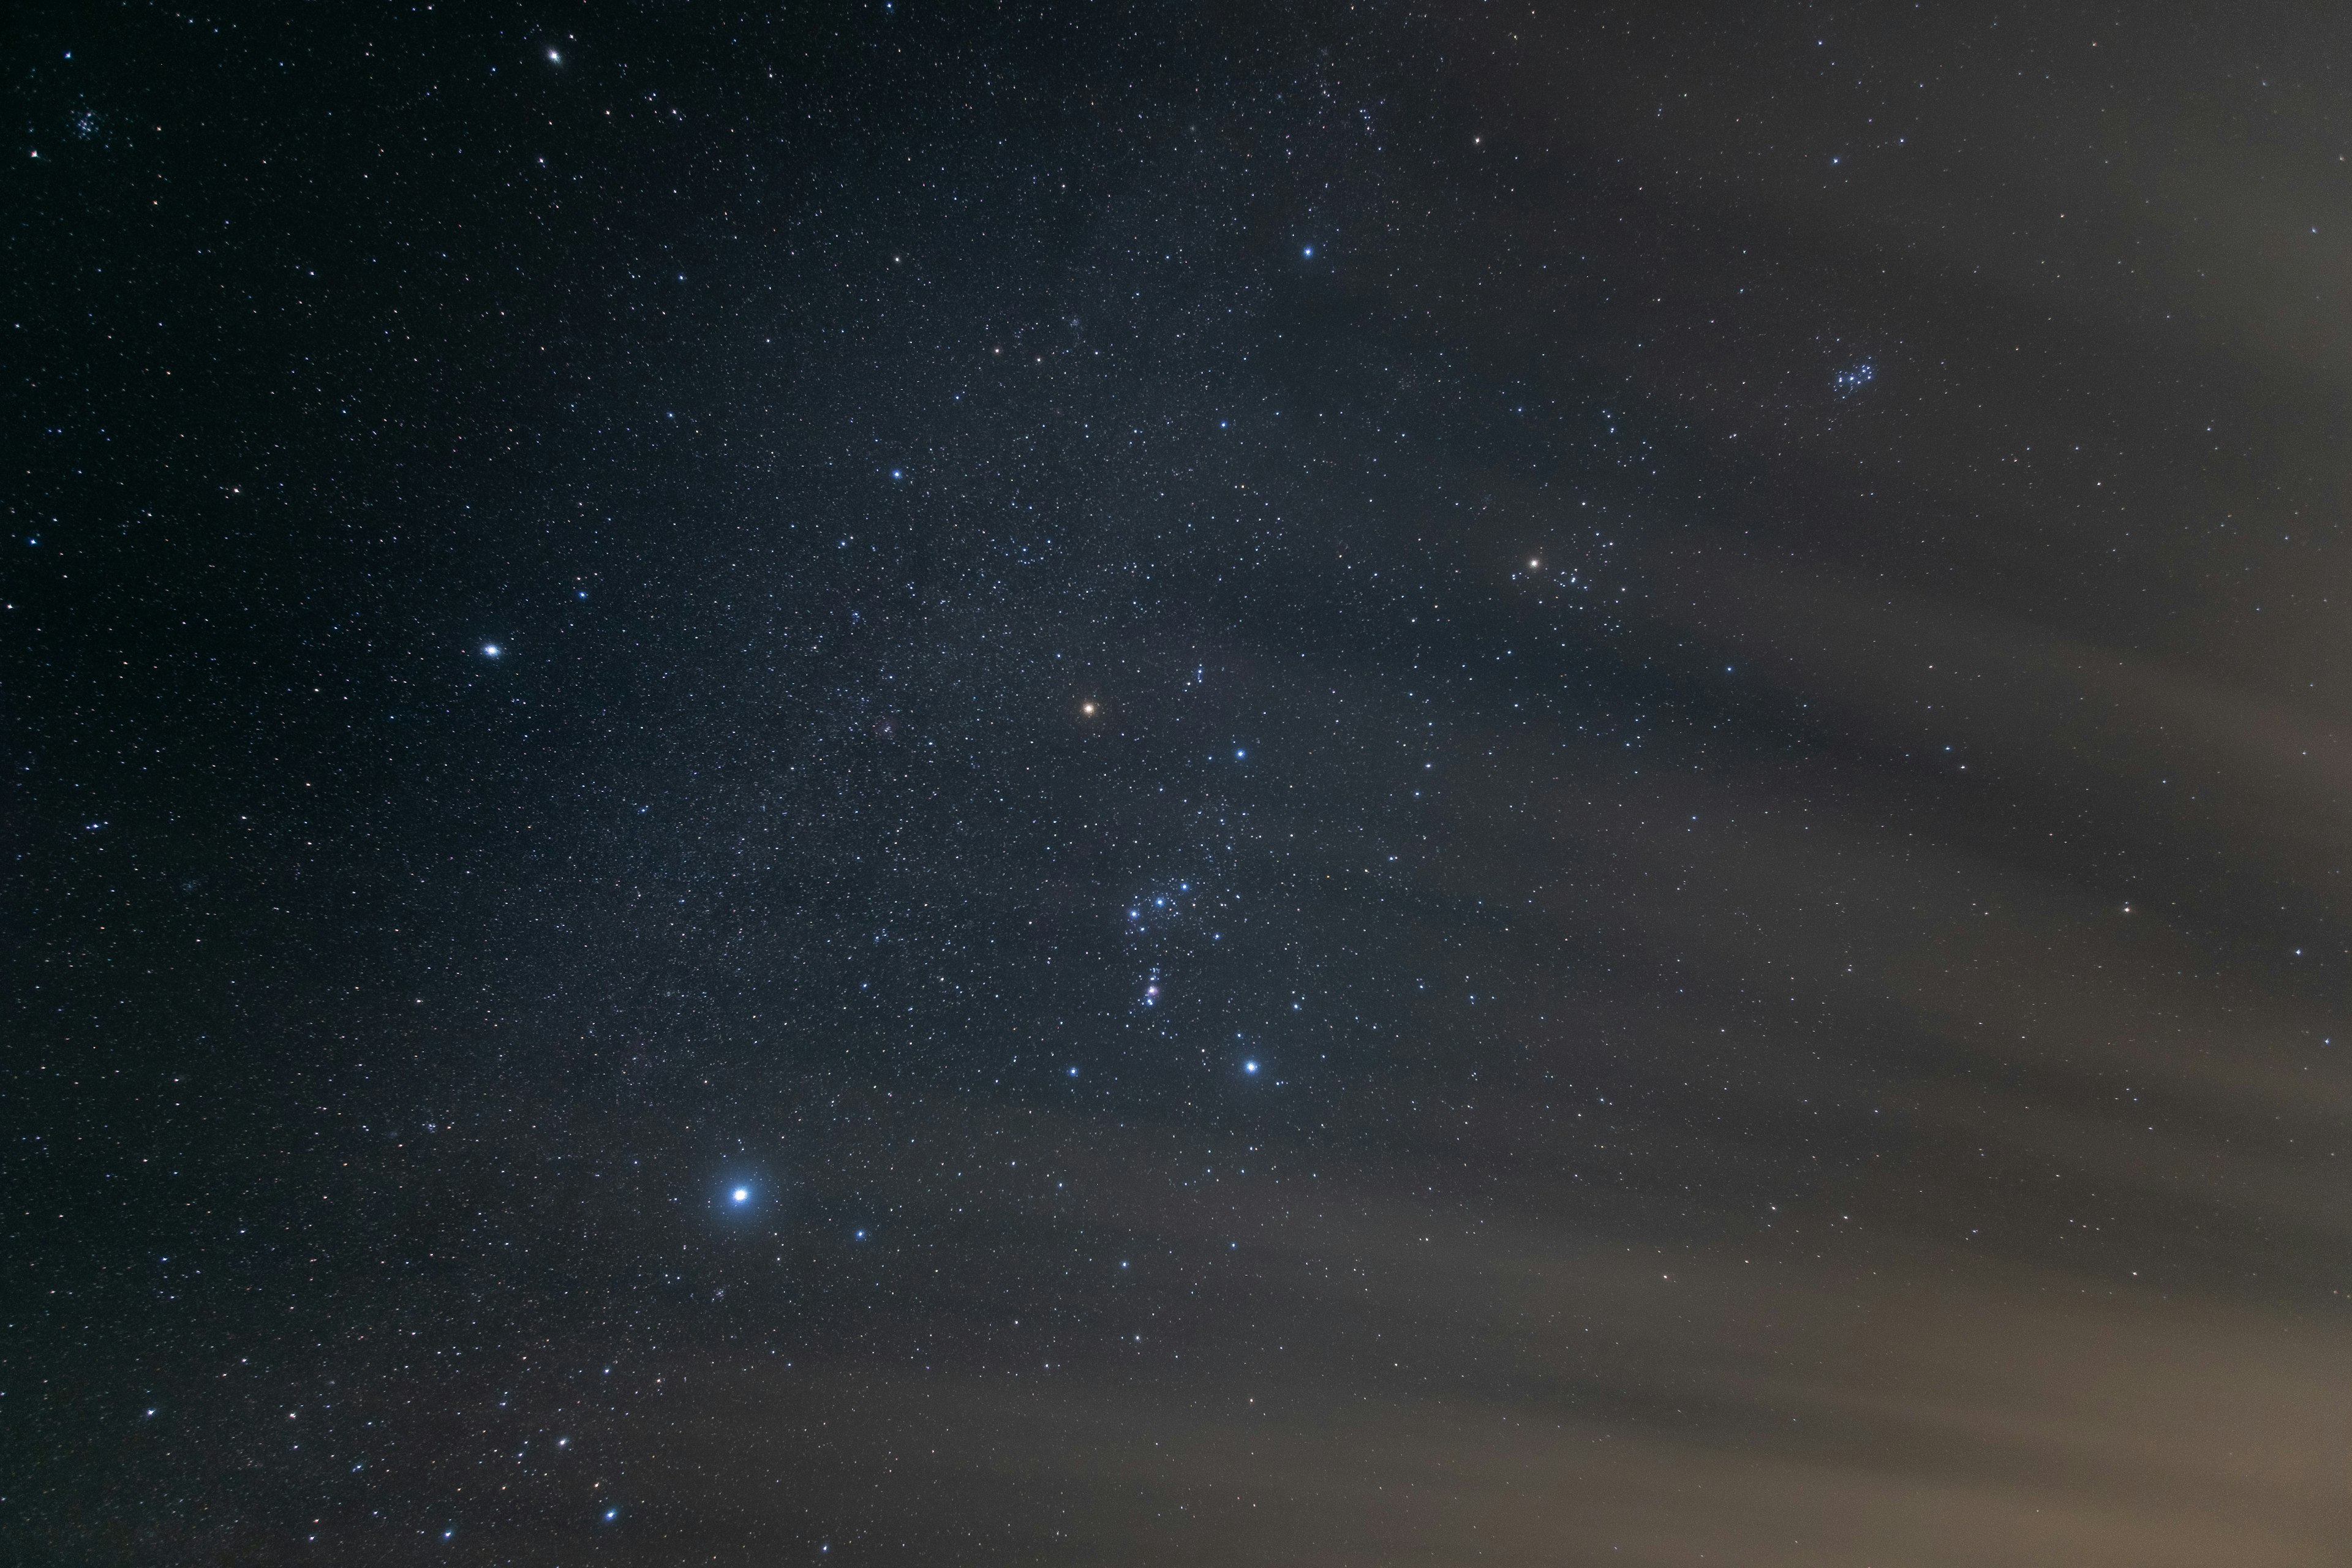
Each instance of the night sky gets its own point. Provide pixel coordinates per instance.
(1296, 784)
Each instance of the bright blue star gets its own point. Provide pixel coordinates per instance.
(489, 650)
(1310, 253)
(1249, 1067)
(742, 1195)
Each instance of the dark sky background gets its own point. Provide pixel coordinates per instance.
(1298, 783)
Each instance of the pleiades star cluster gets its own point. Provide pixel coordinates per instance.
(1176, 783)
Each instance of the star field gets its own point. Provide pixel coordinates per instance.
(1151, 785)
